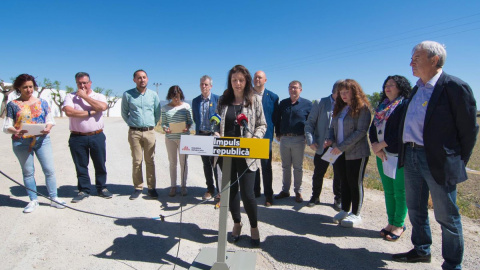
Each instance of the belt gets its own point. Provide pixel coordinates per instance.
(141, 129)
(414, 145)
(291, 134)
(87, 133)
(204, 132)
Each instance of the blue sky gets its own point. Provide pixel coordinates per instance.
(176, 42)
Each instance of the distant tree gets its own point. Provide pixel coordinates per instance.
(57, 97)
(47, 84)
(98, 90)
(374, 100)
(111, 100)
(5, 90)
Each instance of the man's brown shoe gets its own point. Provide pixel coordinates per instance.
(268, 202)
(298, 197)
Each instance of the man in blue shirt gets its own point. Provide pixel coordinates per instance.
(289, 128)
(141, 112)
(439, 131)
(270, 109)
(203, 108)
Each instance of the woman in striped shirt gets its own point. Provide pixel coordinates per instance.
(176, 112)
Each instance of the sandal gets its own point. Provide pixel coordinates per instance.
(394, 237)
(384, 233)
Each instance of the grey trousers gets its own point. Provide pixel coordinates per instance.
(292, 150)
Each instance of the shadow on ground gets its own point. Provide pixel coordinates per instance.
(298, 251)
(154, 249)
(309, 223)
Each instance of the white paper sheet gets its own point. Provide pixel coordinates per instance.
(329, 157)
(33, 129)
(390, 166)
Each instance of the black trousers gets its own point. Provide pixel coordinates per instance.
(321, 167)
(246, 183)
(267, 177)
(82, 149)
(351, 173)
(209, 171)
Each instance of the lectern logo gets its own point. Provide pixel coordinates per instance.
(185, 148)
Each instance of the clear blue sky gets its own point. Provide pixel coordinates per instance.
(176, 42)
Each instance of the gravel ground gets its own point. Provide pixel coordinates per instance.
(293, 236)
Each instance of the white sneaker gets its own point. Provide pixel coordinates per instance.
(340, 216)
(351, 221)
(31, 206)
(58, 203)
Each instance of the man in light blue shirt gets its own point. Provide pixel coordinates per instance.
(439, 133)
(141, 112)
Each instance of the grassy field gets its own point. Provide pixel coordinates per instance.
(468, 198)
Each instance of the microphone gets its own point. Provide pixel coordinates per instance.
(214, 120)
(242, 120)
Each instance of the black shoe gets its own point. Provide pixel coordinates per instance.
(104, 193)
(313, 201)
(80, 196)
(152, 193)
(337, 205)
(282, 195)
(135, 194)
(411, 257)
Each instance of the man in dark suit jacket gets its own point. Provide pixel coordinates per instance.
(203, 108)
(439, 131)
(270, 109)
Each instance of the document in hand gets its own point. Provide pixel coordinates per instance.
(329, 157)
(390, 166)
(33, 129)
(177, 127)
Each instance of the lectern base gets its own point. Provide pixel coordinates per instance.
(207, 259)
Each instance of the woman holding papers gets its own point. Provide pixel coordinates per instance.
(384, 139)
(348, 134)
(29, 110)
(239, 102)
(176, 121)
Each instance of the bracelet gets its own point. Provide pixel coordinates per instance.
(89, 114)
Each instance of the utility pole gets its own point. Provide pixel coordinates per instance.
(157, 85)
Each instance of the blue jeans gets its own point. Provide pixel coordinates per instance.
(418, 182)
(82, 148)
(43, 150)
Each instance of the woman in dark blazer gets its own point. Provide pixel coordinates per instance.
(348, 136)
(384, 133)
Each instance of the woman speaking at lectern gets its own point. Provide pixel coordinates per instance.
(239, 102)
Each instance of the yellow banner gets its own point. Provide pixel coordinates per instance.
(241, 147)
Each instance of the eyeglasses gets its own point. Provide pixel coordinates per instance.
(294, 88)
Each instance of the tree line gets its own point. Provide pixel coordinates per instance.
(55, 94)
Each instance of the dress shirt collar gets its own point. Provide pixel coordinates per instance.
(206, 99)
(431, 83)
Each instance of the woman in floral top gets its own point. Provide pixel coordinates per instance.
(28, 109)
